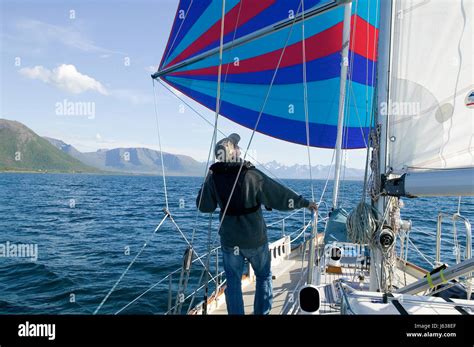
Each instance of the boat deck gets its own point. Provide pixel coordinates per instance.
(286, 277)
(289, 274)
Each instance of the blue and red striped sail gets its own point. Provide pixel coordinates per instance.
(249, 68)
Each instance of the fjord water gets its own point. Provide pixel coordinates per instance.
(89, 227)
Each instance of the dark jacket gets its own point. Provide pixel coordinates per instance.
(248, 230)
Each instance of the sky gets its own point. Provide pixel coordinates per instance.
(79, 71)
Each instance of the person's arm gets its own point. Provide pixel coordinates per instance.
(277, 196)
(208, 202)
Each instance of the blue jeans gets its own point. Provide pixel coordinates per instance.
(260, 259)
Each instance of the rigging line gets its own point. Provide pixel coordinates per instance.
(213, 140)
(327, 177)
(350, 75)
(344, 159)
(351, 67)
(249, 37)
(200, 281)
(367, 156)
(363, 197)
(161, 150)
(187, 241)
(157, 283)
(284, 218)
(193, 293)
(262, 166)
(305, 96)
(372, 118)
(205, 272)
(373, 82)
(178, 32)
(207, 121)
(130, 265)
(231, 48)
(219, 76)
(367, 101)
(345, 139)
(203, 183)
(142, 294)
(352, 93)
(257, 122)
(367, 28)
(373, 110)
(314, 215)
(420, 253)
(218, 104)
(214, 137)
(345, 66)
(367, 62)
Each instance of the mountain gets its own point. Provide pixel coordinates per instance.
(302, 171)
(23, 150)
(148, 161)
(134, 160)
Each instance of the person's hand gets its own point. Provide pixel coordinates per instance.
(313, 206)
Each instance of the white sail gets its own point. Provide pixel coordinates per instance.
(431, 112)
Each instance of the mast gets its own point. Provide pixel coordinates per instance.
(383, 96)
(346, 34)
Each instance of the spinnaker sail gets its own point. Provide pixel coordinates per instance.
(273, 64)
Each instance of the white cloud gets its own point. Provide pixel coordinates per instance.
(65, 77)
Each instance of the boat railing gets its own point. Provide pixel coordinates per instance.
(216, 280)
(220, 282)
(407, 242)
(176, 284)
(279, 250)
(456, 218)
(435, 261)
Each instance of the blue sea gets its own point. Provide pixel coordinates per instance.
(88, 228)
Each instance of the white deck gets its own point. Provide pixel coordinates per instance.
(289, 273)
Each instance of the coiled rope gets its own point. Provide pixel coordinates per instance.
(362, 223)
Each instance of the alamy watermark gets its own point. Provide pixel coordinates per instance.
(400, 108)
(78, 108)
(19, 250)
(28, 329)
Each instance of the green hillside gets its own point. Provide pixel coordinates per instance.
(23, 150)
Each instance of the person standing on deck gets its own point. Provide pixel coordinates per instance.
(243, 233)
